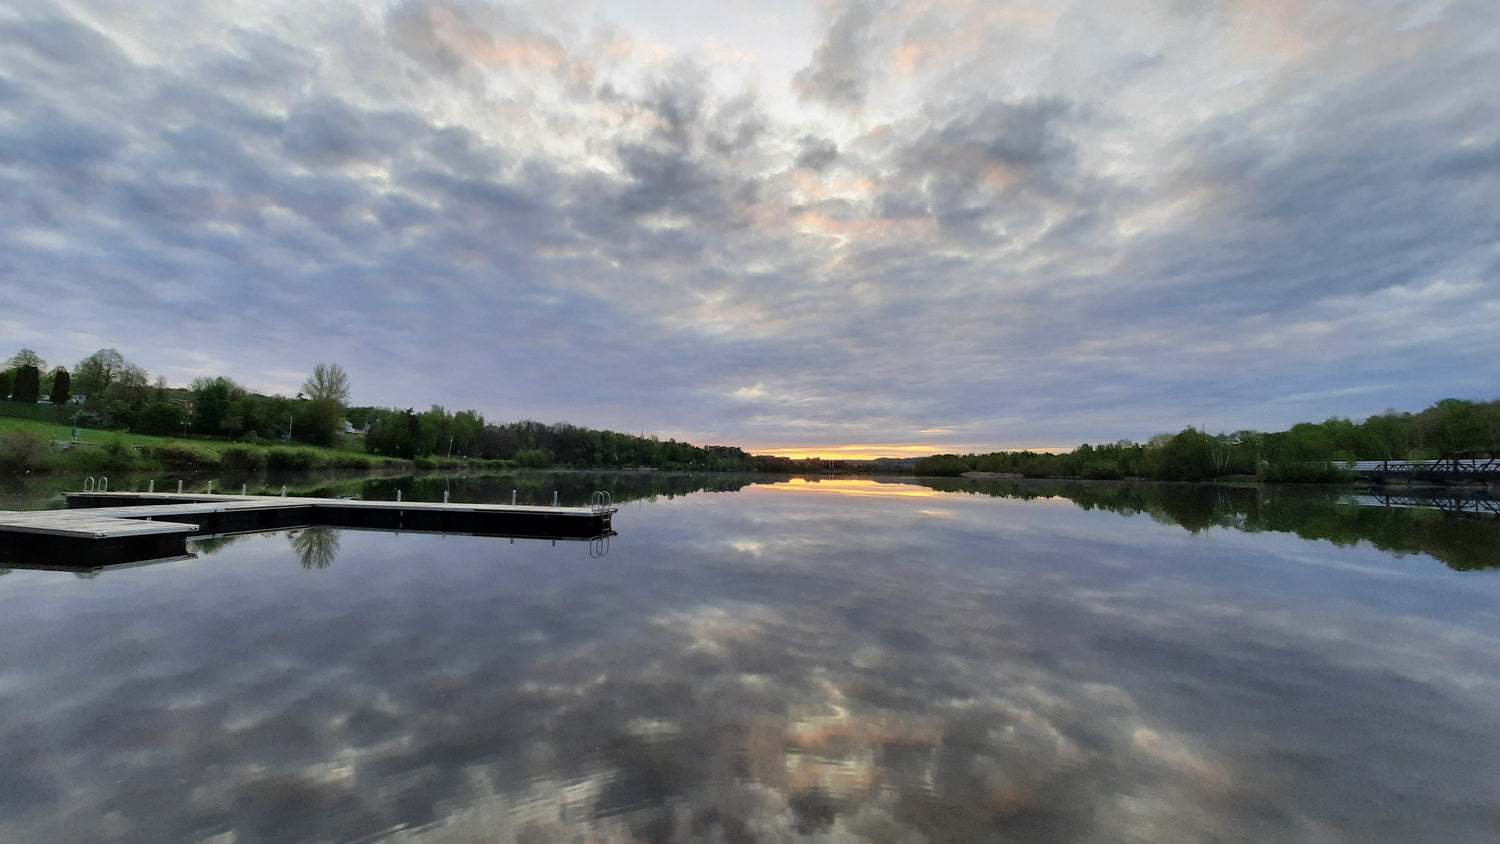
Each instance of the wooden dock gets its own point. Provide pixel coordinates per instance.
(109, 528)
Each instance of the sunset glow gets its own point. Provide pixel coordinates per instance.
(870, 451)
(859, 451)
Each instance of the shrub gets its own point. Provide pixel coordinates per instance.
(533, 458)
(291, 458)
(350, 461)
(241, 457)
(116, 454)
(424, 463)
(23, 451)
(161, 419)
(1102, 470)
(1302, 473)
(185, 457)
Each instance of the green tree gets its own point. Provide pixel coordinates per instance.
(27, 387)
(161, 418)
(61, 382)
(7, 381)
(327, 391)
(213, 403)
(393, 433)
(95, 373)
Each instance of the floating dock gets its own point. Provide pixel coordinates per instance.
(110, 528)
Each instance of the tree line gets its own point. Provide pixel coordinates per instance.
(1308, 451)
(437, 432)
(105, 390)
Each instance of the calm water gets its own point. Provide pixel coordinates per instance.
(838, 661)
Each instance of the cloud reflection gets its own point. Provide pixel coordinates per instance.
(852, 669)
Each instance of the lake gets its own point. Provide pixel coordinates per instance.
(835, 660)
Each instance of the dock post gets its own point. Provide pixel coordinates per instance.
(242, 488)
(554, 498)
(398, 496)
(283, 490)
(151, 487)
(210, 487)
(179, 487)
(512, 498)
(445, 496)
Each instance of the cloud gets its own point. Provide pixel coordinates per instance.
(1070, 222)
(839, 74)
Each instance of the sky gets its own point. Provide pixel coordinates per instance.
(844, 228)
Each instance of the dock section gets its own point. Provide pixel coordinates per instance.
(108, 528)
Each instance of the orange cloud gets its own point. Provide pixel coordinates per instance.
(480, 46)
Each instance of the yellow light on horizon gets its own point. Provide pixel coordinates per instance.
(858, 451)
(869, 451)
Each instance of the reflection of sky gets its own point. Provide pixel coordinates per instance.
(757, 666)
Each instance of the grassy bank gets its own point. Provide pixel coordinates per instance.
(32, 446)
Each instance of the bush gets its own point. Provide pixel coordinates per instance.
(241, 457)
(23, 451)
(291, 458)
(937, 465)
(1102, 470)
(1302, 473)
(424, 463)
(161, 419)
(185, 457)
(350, 461)
(534, 458)
(117, 454)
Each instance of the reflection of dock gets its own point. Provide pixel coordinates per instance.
(106, 528)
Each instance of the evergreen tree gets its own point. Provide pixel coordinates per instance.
(27, 387)
(61, 382)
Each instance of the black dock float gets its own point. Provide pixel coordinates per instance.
(108, 528)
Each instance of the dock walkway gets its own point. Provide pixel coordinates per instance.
(101, 528)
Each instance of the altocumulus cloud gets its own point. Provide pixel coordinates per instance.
(1018, 225)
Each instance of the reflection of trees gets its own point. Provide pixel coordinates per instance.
(573, 487)
(1461, 541)
(317, 546)
(210, 545)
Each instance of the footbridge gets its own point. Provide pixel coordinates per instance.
(1466, 467)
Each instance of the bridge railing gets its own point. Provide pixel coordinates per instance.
(1442, 465)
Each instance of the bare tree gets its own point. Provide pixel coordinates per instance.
(328, 381)
(93, 375)
(27, 357)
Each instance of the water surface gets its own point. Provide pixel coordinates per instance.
(836, 661)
